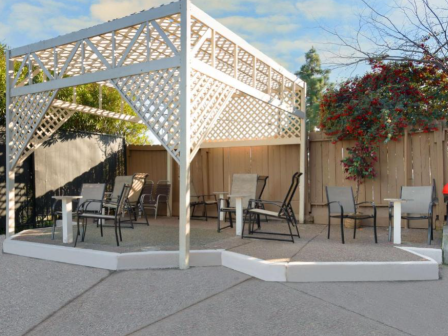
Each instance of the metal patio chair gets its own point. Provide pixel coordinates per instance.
(419, 207)
(89, 191)
(245, 184)
(138, 182)
(201, 200)
(112, 197)
(285, 212)
(341, 204)
(161, 195)
(84, 215)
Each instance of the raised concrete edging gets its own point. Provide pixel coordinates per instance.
(262, 269)
(109, 260)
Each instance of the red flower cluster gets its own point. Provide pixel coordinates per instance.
(378, 106)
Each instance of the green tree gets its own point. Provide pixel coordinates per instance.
(317, 80)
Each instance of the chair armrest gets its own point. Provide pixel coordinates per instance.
(84, 206)
(160, 196)
(142, 197)
(258, 202)
(342, 208)
(53, 208)
(371, 203)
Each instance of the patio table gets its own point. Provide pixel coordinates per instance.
(397, 217)
(67, 230)
(239, 212)
(221, 195)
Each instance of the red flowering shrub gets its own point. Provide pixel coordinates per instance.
(378, 106)
(359, 164)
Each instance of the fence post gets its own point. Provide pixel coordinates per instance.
(439, 139)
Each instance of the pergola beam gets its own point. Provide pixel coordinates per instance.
(240, 86)
(99, 76)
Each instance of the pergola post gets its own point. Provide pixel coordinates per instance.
(303, 156)
(185, 102)
(10, 171)
(169, 177)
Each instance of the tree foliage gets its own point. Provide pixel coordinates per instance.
(317, 81)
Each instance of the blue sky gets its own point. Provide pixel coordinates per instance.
(282, 29)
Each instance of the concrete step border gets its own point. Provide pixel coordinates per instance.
(261, 269)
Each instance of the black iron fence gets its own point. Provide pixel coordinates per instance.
(60, 167)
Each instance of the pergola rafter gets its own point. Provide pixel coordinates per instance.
(190, 80)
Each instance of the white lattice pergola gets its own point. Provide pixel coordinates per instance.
(189, 79)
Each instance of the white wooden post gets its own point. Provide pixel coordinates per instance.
(303, 157)
(169, 177)
(184, 197)
(10, 171)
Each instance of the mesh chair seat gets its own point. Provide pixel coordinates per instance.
(265, 212)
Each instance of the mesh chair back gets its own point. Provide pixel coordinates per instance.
(163, 188)
(120, 181)
(343, 195)
(137, 185)
(420, 196)
(124, 195)
(92, 191)
(291, 191)
(147, 190)
(261, 185)
(243, 184)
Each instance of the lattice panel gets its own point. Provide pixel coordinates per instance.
(51, 122)
(26, 114)
(247, 118)
(209, 97)
(154, 96)
(139, 43)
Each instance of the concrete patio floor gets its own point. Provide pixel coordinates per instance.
(48, 298)
(162, 235)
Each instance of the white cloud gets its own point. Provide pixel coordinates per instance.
(318, 9)
(251, 26)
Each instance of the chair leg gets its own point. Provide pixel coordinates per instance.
(144, 214)
(205, 211)
(116, 231)
(258, 221)
(374, 229)
(54, 227)
(390, 229)
(119, 229)
(84, 229)
(155, 211)
(342, 230)
(288, 221)
(244, 224)
(231, 220)
(77, 234)
(329, 225)
(429, 231)
(354, 230)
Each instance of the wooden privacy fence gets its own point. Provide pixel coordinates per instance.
(415, 160)
(212, 168)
